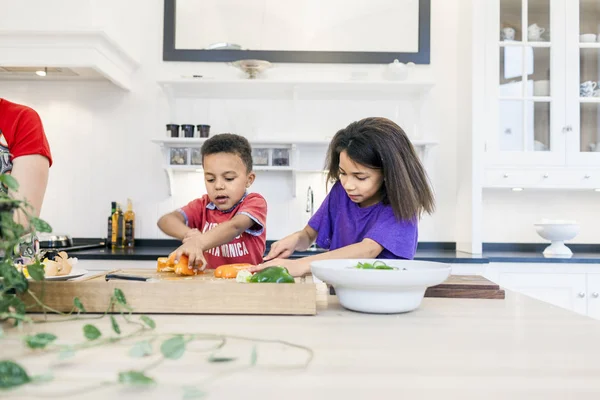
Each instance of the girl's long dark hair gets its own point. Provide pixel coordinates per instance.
(379, 143)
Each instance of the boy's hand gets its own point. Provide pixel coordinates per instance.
(190, 234)
(294, 267)
(194, 250)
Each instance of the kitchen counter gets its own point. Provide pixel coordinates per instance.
(152, 249)
(517, 348)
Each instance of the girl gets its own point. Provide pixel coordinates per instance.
(380, 191)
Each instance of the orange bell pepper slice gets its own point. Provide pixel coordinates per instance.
(182, 266)
(230, 271)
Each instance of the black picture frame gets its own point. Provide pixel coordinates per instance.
(170, 53)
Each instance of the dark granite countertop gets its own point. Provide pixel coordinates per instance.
(149, 249)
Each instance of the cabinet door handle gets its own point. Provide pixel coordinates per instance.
(581, 294)
(595, 295)
(567, 128)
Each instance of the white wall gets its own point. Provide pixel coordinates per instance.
(100, 136)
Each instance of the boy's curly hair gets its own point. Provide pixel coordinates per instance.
(229, 143)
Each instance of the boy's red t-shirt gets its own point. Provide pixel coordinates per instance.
(21, 134)
(249, 247)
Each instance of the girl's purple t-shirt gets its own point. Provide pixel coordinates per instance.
(340, 222)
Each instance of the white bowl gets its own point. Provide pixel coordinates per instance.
(557, 232)
(380, 291)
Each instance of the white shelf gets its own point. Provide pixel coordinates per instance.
(589, 99)
(91, 51)
(198, 142)
(589, 45)
(198, 168)
(276, 89)
(514, 43)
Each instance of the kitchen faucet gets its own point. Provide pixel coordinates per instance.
(310, 208)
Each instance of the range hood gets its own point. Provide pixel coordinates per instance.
(69, 55)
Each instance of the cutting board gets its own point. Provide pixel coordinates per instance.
(466, 287)
(463, 287)
(200, 294)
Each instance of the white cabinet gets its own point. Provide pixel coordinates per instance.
(575, 287)
(542, 101)
(593, 295)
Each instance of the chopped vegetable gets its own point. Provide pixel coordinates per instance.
(230, 271)
(272, 275)
(182, 266)
(164, 264)
(376, 265)
(243, 276)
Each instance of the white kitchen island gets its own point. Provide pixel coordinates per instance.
(517, 348)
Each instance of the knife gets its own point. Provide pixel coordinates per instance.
(130, 278)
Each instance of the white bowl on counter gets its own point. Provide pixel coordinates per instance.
(557, 231)
(380, 291)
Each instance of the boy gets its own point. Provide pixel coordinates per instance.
(227, 225)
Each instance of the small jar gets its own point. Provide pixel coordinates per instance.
(203, 130)
(281, 157)
(178, 156)
(187, 130)
(172, 130)
(260, 156)
(195, 156)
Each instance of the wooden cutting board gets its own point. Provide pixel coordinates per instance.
(466, 287)
(463, 287)
(200, 294)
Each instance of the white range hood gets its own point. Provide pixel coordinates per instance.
(68, 55)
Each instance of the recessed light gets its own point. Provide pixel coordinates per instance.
(517, 189)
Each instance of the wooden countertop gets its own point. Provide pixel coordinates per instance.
(517, 348)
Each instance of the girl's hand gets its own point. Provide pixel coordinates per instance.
(190, 234)
(195, 252)
(282, 248)
(294, 267)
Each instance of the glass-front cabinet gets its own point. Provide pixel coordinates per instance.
(542, 73)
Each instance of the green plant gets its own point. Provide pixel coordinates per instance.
(124, 326)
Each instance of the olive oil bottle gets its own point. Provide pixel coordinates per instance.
(129, 226)
(118, 228)
(113, 208)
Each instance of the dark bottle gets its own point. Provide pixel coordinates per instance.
(113, 208)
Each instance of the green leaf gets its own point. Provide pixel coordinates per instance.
(78, 304)
(253, 356)
(136, 378)
(36, 271)
(40, 340)
(148, 321)
(66, 352)
(13, 278)
(7, 302)
(9, 182)
(120, 297)
(12, 375)
(173, 348)
(215, 359)
(191, 392)
(91, 332)
(141, 349)
(115, 324)
(40, 225)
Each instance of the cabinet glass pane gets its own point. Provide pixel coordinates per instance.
(510, 20)
(510, 129)
(511, 71)
(538, 70)
(589, 20)
(538, 126)
(589, 127)
(589, 72)
(538, 24)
